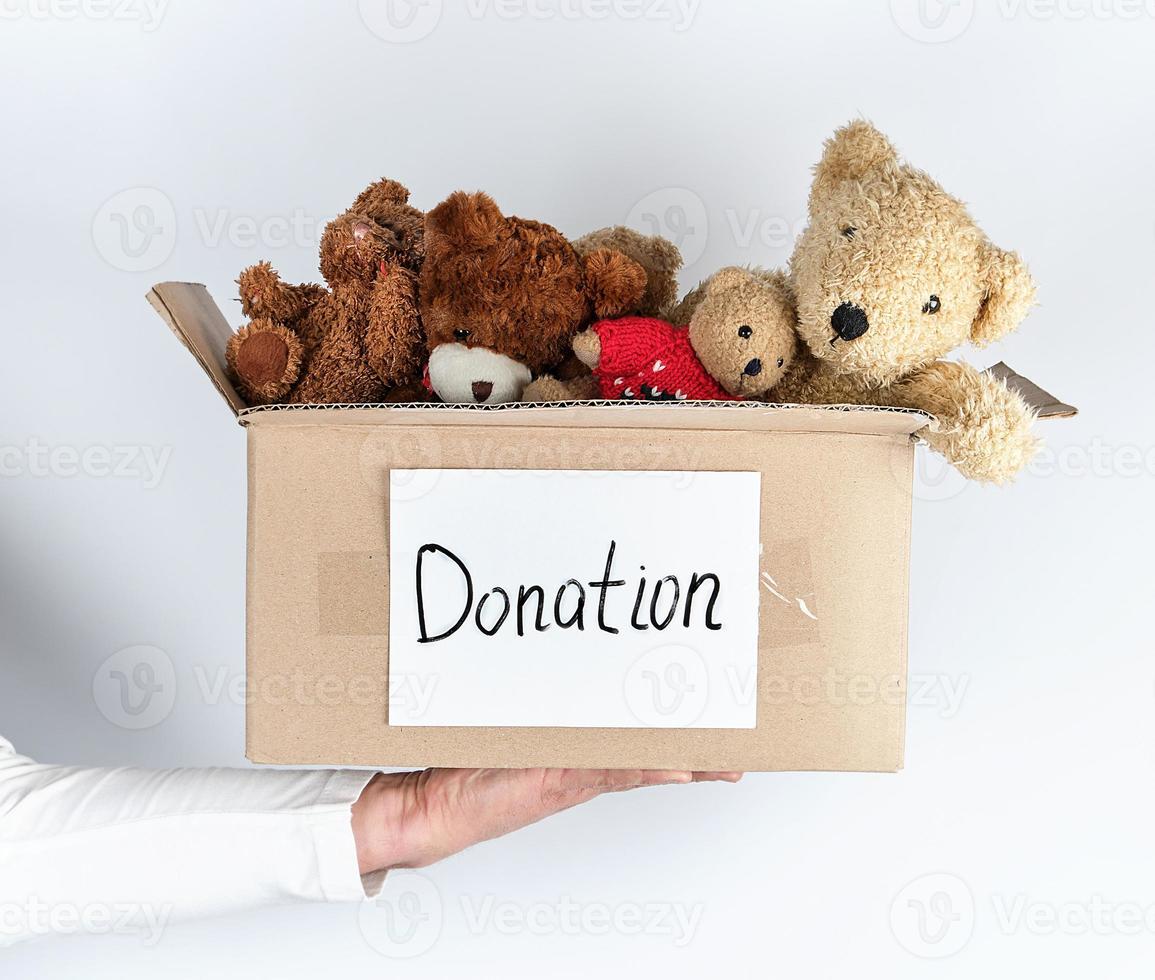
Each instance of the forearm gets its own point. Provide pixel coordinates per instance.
(168, 845)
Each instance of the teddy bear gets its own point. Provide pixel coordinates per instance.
(502, 297)
(891, 275)
(359, 340)
(658, 256)
(737, 343)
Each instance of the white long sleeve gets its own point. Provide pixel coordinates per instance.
(106, 850)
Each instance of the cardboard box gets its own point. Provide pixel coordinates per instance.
(833, 510)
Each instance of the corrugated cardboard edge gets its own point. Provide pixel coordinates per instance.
(714, 415)
(198, 323)
(1046, 405)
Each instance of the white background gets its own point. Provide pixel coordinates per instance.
(1034, 789)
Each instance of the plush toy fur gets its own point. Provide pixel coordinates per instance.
(502, 297)
(659, 257)
(356, 341)
(739, 342)
(891, 275)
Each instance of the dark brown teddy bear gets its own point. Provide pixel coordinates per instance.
(502, 297)
(356, 341)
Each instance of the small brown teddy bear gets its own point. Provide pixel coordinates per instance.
(658, 256)
(502, 297)
(739, 342)
(891, 275)
(353, 342)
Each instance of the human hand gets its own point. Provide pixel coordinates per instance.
(412, 819)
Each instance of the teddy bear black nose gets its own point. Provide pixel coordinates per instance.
(482, 390)
(753, 368)
(849, 322)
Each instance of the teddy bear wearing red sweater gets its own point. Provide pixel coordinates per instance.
(729, 351)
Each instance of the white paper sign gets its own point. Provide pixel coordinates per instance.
(573, 598)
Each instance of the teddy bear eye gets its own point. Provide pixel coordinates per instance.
(781, 361)
(849, 231)
(932, 305)
(745, 332)
(461, 335)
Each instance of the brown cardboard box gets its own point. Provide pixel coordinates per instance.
(834, 514)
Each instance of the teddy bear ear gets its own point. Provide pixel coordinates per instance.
(852, 153)
(1010, 294)
(380, 197)
(615, 283)
(465, 222)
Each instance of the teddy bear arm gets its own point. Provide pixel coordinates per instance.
(984, 428)
(394, 339)
(547, 388)
(264, 294)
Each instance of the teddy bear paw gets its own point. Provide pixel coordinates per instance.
(264, 359)
(993, 446)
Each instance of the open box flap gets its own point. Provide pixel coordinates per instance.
(1046, 405)
(190, 311)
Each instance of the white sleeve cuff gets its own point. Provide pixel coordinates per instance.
(334, 844)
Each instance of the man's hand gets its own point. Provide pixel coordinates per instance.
(411, 819)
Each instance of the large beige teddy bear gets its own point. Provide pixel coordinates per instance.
(891, 275)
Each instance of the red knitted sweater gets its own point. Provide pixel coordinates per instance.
(644, 358)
